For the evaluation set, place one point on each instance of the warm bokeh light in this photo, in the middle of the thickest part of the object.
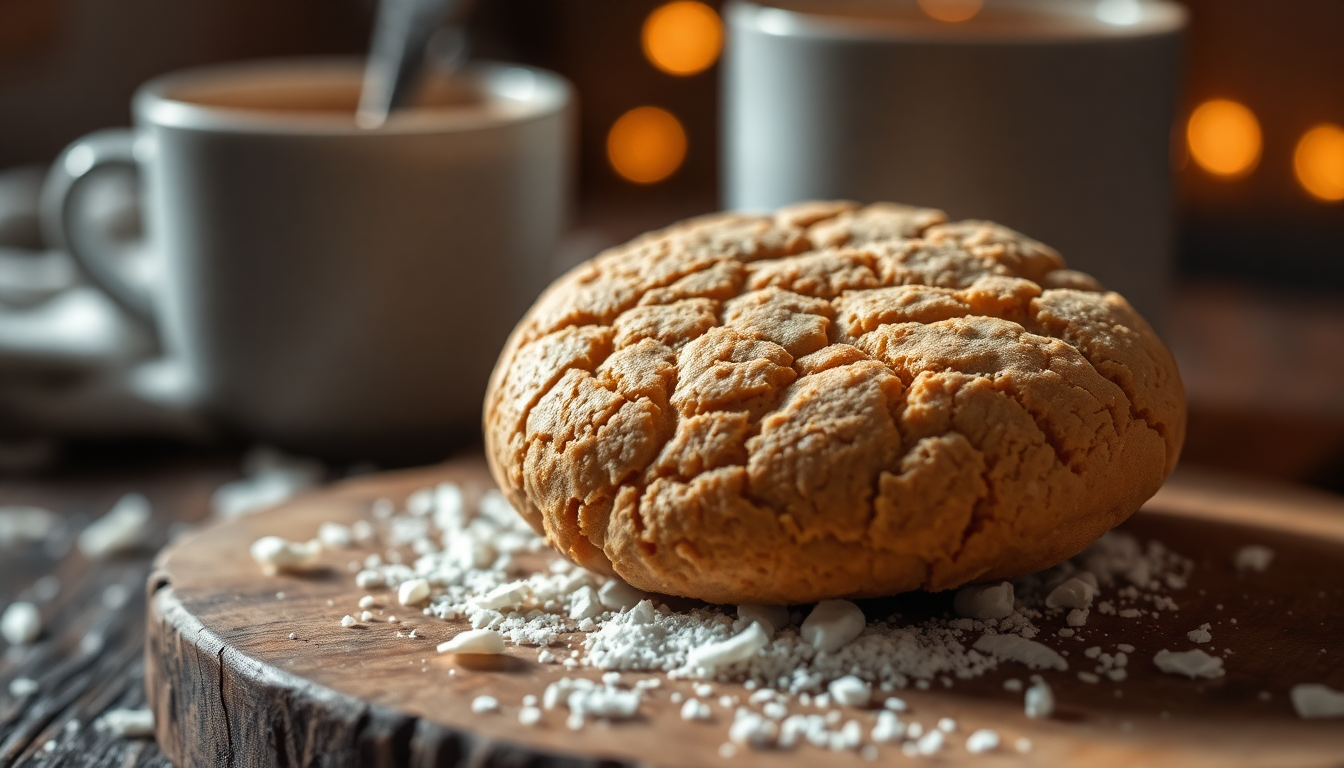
(683, 37)
(1224, 138)
(1319, 162)
(646, 144)
(951, 10)
(1121, 13)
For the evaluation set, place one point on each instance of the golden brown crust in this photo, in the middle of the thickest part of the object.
(834, 401)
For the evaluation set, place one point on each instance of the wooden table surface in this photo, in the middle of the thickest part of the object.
(80, 681)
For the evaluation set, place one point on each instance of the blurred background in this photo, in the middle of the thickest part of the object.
(1257, 321)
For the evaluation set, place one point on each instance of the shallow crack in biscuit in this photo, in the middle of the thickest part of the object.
(833, 401)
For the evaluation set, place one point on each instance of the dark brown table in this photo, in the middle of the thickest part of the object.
(90, 656)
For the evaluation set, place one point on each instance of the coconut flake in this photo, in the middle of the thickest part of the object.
(22, 686)
(1073, 593)
(123, 527)
(850, 691)
(127, 723)
(482, 641)
(694, 709)
(21, 623)
(1021, 650)
(483, 704)
(832, 624)
(1039, 702)
(413, 592)
(739, 648)
(335, 536)
(1193, 664)
(275, 554)
(982, 741)
(504, 596)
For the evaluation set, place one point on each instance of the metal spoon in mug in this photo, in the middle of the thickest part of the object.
(401, 34)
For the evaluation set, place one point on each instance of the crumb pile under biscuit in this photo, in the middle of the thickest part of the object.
(830, 401)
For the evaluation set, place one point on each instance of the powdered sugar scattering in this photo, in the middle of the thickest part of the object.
(478, 564)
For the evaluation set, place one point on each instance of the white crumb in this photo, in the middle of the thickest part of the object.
(483, 641)
(483, 704)
(127, 723)
(529, 716)
(1023, 651)
(1200, 635)
(22, 686)
(413, 592)
(1040, 701)
(21, 623)
(509, 595)
(275, 554)
(752, 730)
(930, 743)
(889, 728)
(334, 535)
(1193, 664)
(1073, 593)
(982, 741)
(739, 648)
(694, 709)
(850, 691)
(832, 624)
(123, 527)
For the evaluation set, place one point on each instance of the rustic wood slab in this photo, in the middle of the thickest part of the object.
(230, 689)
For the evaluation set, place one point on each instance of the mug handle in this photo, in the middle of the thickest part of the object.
(62, 220)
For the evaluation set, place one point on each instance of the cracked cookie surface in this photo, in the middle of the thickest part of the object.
(831, 401)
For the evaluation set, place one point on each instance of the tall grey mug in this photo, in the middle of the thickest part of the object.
(331, 288)
(1053, 117)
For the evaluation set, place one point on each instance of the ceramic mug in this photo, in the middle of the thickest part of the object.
(1053, 117)
(326, 287)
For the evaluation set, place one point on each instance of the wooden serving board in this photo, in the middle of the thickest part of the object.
(230, 689)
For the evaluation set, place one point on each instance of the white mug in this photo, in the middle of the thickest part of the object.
(1052, 117)
(330, 288)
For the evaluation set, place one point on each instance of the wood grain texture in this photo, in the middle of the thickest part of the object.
(230, 688)
(90, 656)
